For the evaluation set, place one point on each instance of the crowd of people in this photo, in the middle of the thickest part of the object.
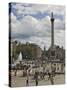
(42, 75)
(50, 74)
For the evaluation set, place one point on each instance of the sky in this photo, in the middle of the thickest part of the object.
(31, 23)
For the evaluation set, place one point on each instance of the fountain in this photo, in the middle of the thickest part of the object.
(20, 57)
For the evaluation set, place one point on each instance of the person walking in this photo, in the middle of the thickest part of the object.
(15, 71)
(36, 78)
(51, 78)
(27, 80)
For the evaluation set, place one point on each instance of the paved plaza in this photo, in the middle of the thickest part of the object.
(20, 81)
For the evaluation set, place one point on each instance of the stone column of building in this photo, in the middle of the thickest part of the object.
(52, 29)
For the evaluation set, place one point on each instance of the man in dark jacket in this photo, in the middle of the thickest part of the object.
(36, 78)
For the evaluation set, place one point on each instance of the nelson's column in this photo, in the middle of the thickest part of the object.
(52, 30)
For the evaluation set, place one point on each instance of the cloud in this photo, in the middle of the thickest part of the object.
(34, 30)
(60, 37)
(59, 24)
(38, 8)
(30, 26)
